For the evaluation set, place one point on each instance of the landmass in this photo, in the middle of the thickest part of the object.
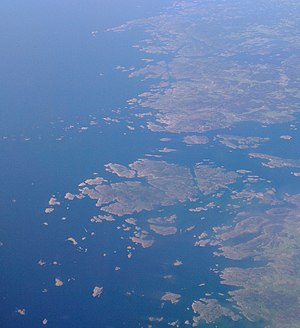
(97, 291)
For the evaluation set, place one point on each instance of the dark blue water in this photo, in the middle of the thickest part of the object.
(50, 70)
(55, 74)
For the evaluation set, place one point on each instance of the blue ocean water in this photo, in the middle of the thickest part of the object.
(55, 74)
(51, 69)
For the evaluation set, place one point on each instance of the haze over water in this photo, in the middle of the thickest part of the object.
(149, 164)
